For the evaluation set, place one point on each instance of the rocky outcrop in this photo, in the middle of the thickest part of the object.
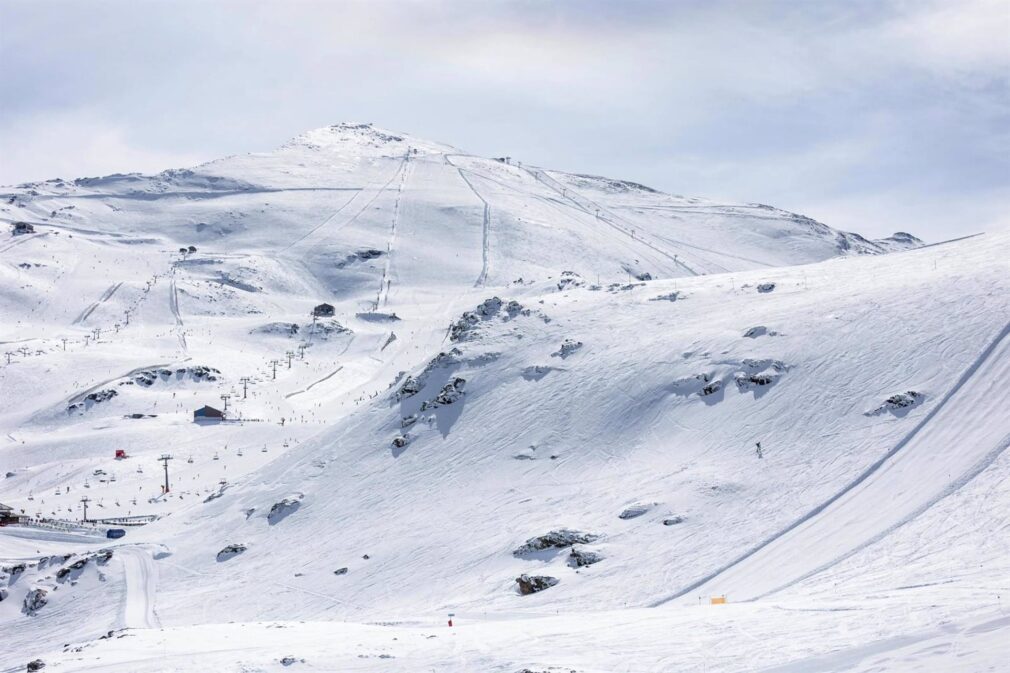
(35, 600)
(764, 288)
(531, 584)
(283, 508)
(580, 558)
(568, 346)
(898, 403)
(556, 539)
(231, 551)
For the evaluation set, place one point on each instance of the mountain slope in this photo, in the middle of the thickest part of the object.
(494, 370)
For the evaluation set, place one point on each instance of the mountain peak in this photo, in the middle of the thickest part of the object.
(346, 135)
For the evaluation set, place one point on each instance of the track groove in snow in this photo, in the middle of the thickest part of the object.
(963, 433)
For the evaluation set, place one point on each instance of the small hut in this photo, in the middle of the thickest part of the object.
(208, 413)
(324, 311)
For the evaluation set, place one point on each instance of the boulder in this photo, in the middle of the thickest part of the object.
(556, 539)
(579, 558)
(765, 287)
(231, 551)
(531, 584)
(35, 600)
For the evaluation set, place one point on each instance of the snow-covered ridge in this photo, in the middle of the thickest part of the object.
(540, 401)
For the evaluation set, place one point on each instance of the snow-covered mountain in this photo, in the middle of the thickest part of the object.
(631, 401)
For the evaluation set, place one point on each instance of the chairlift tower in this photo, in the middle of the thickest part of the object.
(164, 459)
(84, 501)
(245, 386)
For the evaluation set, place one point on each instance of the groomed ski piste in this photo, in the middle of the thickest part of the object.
(513, 352)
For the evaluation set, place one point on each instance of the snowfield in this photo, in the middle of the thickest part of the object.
(640, 402)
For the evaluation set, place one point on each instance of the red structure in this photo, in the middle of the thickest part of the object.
(120, 454)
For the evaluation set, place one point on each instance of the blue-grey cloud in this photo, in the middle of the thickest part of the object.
(871, 116)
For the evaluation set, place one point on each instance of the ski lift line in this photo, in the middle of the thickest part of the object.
(486, 243)
(565, 192)
(377, 194)
(383, 296)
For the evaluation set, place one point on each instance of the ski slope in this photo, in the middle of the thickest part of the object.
(653, 341)
(960, 437)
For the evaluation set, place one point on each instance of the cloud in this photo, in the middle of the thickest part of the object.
(75, 144)
(776, 101)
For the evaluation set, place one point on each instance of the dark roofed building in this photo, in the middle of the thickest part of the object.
(207, 412)
(323, 311)
(7, 515)
(22, 228)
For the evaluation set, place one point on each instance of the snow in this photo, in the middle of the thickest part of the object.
(578, 403)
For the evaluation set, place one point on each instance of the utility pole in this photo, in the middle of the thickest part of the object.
(290, 355)
(226, 398)
(274, 363)
(164, 459)
(64, 339)
(84, 501)
(301, 351)
(8, 354)
(245, 386)
(126, 316)
(98, 333)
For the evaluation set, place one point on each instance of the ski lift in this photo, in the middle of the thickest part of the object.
(30, 496)
(86, 484)
(264, 449)
(58, 492)
(216, 456)
(239, 452)
(112, 477)
(190, 459)
(140, 470)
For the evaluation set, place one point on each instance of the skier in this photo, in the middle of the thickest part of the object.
(760, 452)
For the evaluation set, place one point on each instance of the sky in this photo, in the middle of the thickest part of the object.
(872, 117)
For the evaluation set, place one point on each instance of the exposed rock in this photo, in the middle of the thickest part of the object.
(360, 256)
(35, 600)
(759, 373)
(759, 330)
(35, 665)
(672, 296)
(580, 558)
(283, 508)
(96, 397)
(463, 327)
(898, 403)
(765, 287)
(21, 228)
(531, 584)
(568, 346)
(340, 571)
(711, 388)
(401, 441)
(231, 551)
(556, 539)
(636, 510)
(412, 385)
(570, 279)
(673, 520)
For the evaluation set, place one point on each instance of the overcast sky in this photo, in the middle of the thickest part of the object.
(869, 116)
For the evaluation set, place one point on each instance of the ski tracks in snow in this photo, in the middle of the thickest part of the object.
(486, 244)
(565, 193)
(962, 434)
(382, 298)
(141, 576)
(106, 296)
